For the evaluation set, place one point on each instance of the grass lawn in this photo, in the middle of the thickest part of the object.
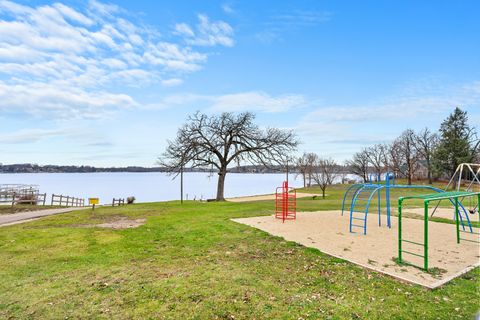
(191, 262)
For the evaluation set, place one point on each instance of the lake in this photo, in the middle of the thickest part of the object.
(149, 186)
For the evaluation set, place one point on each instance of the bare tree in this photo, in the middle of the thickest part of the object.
(425, 143)
(305, 165)
(220, 140)
(376, 157)
(394, 158)
(359, 164)
(408, 154)
(324, 173)
(343, 172)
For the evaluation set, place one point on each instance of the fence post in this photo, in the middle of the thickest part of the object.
(44, 198)
(53, 195)
(13, 199)
(61, 198)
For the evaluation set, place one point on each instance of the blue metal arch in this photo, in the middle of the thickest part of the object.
(358, 185)
(377, 188)
(373, 188)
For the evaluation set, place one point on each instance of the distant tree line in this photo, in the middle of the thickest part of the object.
(423, 154)
(35, 168)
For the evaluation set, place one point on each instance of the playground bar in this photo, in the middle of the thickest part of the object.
(427, 198)
(425, 236)
(400, 230)
(457, 222)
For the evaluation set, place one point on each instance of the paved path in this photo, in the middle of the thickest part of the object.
(9, 219)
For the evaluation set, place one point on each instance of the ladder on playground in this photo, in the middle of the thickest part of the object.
(359, 208)
(285, 202)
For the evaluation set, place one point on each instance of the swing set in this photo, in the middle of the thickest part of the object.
(465, 178)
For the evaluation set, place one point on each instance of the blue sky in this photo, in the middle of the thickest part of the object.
(107, 83)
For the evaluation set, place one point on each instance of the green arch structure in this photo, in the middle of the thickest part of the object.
(427, 198)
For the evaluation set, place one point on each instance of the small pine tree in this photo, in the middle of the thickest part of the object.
(455, 145)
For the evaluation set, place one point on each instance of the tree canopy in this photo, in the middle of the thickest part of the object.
(218, 141)
(455, 145)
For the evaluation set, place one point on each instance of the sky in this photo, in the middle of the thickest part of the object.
(108, 83)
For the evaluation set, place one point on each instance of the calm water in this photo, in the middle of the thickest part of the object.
(148, 187)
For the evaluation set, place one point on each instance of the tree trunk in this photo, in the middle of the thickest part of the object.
(221, 184)
(409, 172)
(429, 171)
(323, 193)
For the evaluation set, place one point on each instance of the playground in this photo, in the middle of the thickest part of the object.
(422, 238)
(328, 232)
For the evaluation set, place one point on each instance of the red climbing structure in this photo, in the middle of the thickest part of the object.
(285, 202)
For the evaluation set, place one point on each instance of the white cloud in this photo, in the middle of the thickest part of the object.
(73, 15)
(227, 8)
(60, 102)
(172, 82)
(279, 24)
(30, 135)
(184, 30)
(81, 53)
(206, 33)
(257, 101)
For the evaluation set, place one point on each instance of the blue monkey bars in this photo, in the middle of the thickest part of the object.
(358, 197)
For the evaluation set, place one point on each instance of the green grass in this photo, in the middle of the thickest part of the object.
(191, 262)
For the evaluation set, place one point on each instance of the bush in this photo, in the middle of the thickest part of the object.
(130, 200)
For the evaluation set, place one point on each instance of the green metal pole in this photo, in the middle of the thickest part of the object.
(400, 200)
(379, 209)
(425, 236)
(457, 222)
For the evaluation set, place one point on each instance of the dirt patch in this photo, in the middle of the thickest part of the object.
(118, 223)
(122, 223)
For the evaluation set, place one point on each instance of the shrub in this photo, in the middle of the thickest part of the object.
(130, 200)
